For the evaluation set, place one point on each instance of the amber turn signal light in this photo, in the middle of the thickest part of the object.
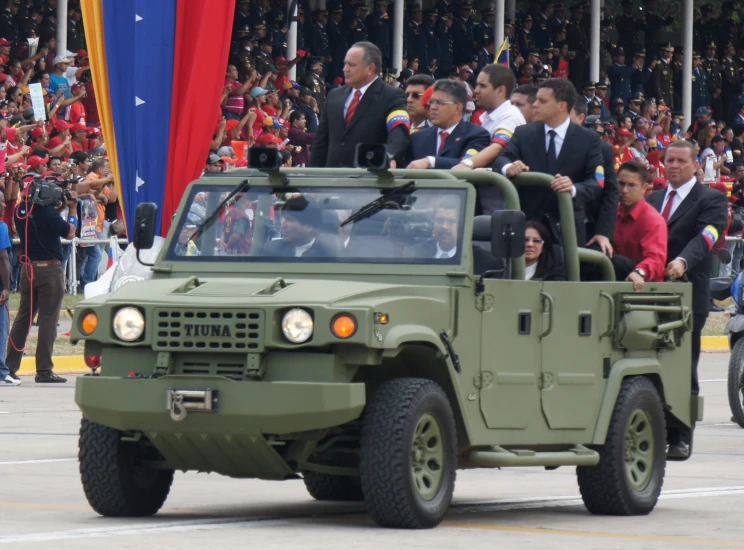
(343, 326)
(89, 323)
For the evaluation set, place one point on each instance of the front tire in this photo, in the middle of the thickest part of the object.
(114, 482)
(408, 455)
(736, 382)
(628, 479)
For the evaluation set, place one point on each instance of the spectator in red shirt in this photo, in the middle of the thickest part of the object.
(235, 102)
(640, 240)
(79, 133)
(59, 143)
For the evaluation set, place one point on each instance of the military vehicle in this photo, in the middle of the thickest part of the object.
(363, 330)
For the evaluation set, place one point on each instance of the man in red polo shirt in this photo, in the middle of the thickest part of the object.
(640, 239)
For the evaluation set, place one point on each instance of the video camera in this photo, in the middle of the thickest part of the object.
(49, 191)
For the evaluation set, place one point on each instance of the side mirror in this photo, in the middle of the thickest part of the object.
(371, 156)
(507, 234)
(264, 159)
(144, 227)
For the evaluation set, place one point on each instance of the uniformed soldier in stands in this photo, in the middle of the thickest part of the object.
(301, 31)
(634, 105)
(629, 28)
(729, 80)
(589, 90)
(740, 57)
(429, 30)
(317, 36)
(256, 14)
(641, 78)
(707, 27)
(525, 40)
(577, 41)
(700, 96)
(242, 15)
(509, 32)
(75, 32)
(728, 33)
(654, 23)
(443, 7)
(662, 77)
(559, 21)
(484, 31)
(243, 57)
(542, 25)
(356, 29)
(279, 38)
(446, 45)
(462, 34)
(314, 80)
(8, 23)
(601, 94)
(415, 37)
(337, 46)
(264, 61)
(713, 73)
(30, 25)
(380, 30)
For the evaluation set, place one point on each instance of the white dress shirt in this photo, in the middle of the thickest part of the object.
(682, 192)
(432, 159)
(504, 117)
(300, 250)
(363, 89)
(444, 254)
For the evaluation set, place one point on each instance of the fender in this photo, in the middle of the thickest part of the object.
(620, 370)
(402, 334)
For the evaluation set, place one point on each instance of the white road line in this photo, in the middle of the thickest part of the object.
(38, 461)
(716, 380)
(210, 524)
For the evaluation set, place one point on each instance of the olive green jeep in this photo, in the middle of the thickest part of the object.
(364, 331)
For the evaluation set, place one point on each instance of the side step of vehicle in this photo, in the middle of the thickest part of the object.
(578, 455)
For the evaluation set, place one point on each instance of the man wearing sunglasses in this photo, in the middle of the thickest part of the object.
(415, 89)
(450, 139)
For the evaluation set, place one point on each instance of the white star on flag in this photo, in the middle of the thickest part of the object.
(137, 18)
(139, 183)
(138, 101)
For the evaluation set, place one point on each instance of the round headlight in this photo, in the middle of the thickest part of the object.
(129, 324)
(297, 326)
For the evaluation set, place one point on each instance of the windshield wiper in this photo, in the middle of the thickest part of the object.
(380, 203)
(242, 186)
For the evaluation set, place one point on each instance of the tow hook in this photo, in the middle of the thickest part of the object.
(175, 405)
(179, 402)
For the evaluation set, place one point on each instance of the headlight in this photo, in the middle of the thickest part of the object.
(297, 326)
(129, 324)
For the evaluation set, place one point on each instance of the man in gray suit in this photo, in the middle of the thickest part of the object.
(302, 235)
(445, 235)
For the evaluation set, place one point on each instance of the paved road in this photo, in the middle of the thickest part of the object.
(43, 507)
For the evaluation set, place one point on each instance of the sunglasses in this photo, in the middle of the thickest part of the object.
(527, 240)
(414, 95)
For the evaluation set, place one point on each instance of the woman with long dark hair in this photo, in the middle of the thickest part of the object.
(539, 255)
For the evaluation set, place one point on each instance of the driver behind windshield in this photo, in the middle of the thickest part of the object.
(443, 244)
(302, 235)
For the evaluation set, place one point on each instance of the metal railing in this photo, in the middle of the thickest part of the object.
(71, 272)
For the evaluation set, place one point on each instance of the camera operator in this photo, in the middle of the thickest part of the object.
(40, 229)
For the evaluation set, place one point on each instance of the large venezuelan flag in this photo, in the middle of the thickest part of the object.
(157, 66)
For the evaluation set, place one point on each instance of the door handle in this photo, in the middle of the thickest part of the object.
(611, 325)
(547, 299)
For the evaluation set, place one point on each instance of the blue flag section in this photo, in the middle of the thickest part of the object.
(139, 40)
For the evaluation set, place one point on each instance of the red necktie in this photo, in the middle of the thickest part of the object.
(442, 140)
(353, 107)
(668, 208)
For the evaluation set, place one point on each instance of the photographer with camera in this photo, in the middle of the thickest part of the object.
(40, 229)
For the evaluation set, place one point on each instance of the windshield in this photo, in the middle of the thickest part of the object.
(422, 225)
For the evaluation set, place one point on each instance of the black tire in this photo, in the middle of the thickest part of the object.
(607, 488)
(113, 482)
(330, 487)
(395, 413)
(736, 382)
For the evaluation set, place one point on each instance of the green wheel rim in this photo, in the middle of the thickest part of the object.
(639, 450)
(427, 457)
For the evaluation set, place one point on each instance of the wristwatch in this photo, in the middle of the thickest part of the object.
(641, 273)
(468, 163)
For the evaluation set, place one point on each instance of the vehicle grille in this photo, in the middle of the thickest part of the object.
(185, 329)
(230, 367)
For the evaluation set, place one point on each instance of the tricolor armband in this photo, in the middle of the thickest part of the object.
(710, 234)
(599, 175)
(72, 220)
(469, 153)
(502, 136)
(398, 118)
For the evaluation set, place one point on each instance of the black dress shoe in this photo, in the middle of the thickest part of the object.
(49, 378)
(678, 450)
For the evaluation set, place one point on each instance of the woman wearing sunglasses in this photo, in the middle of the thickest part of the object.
(540, 258)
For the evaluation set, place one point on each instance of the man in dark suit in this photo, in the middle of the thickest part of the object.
(696, 216)
(450, 138)
(301, 233)
(601, 213)
(364, 110)
(444, 232)
(553, 145)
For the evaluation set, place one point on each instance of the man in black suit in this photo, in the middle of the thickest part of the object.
(601, 213)
(450, 139)
(553, 145)
(302, 236)
(364, 110)
(696, 216)
(443, 244)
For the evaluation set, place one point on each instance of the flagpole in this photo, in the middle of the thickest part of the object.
(498, 26)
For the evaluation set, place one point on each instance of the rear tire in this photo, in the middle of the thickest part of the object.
(408, 454)
(628, 479)
(736, 382)
(331, 487)
(113, 481)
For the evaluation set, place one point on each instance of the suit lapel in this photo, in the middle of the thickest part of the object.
(686, 204)
(655, 199)
(540, 144)
(367, 99)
